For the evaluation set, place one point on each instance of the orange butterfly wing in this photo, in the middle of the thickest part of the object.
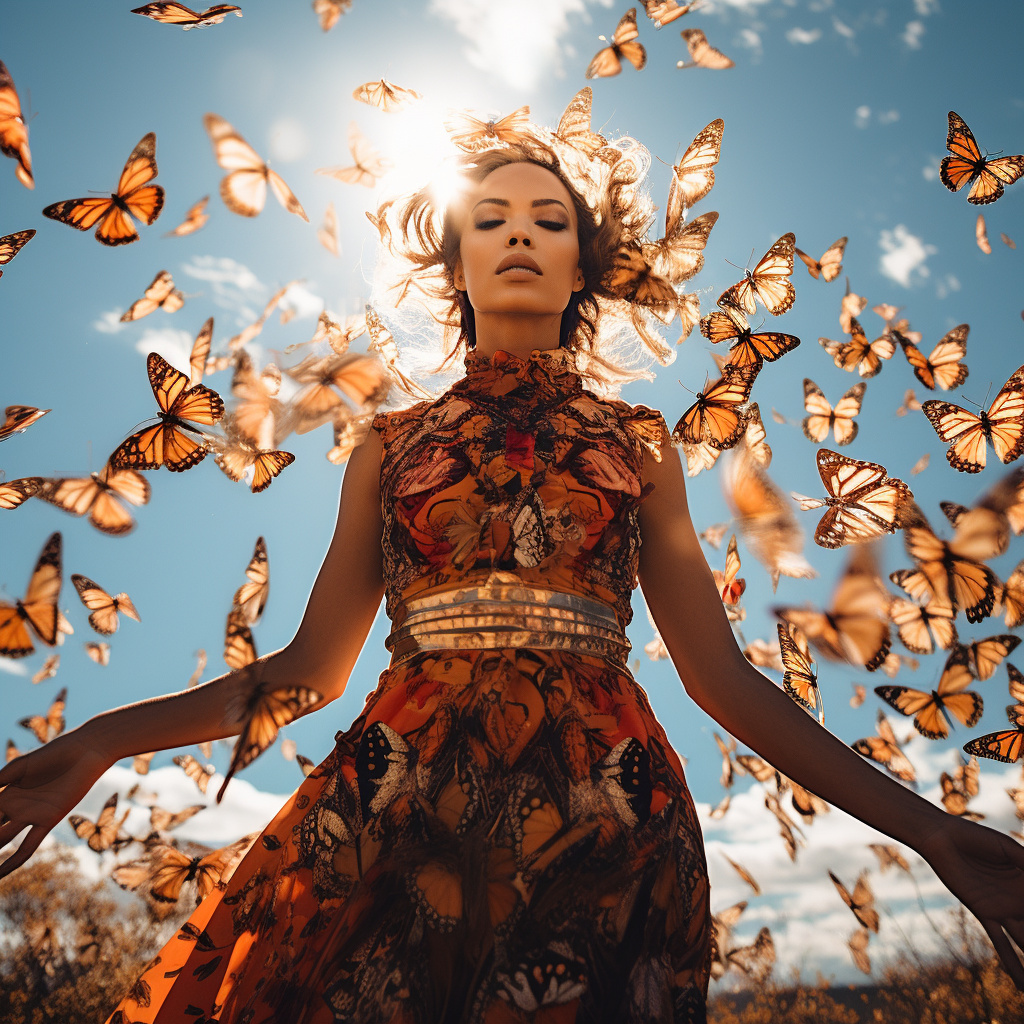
(13, 130)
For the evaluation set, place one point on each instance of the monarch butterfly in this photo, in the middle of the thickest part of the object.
(100, 497)
(664, 12)
(11, 245)
(100, 653)
(857, 944)
(717, 416)
(823, 416)
(888, 856)
(38, 609)
(931, 710)
(327, 235)
(966, 433)
(910, 403)
(386, 95)
(800, 678)
(46, 727)
(854, 629)
(368, 166)
(13, 130)
(885, 750)
(960, 787)
(981, 235)
(251, 598)
(170, 443)
(105, 833)
(680, 255)
(858, 353)
(806, 804)
(329, 11)
(942, 367)
(983, 657)
(988, 174)
(357, 376)
(984, 530)
(851, 306)
(195, 218)
(164, 821)
(112, 215)
(574, 124)
(258, 410)
(161, 294)
(623, 44)
(743, 872)
(917, 625)
(471, 133)
(722, 924)
(730, 589)
(631, 277)
(244, 189)
(861, 901)
(236, 457)
(703, 54)
(745, 348)
(103, 607)
(48, 670)
(693, 176)
(1012, 597)
(1007, 744)
(15, 492)
(768, 283)
(239, 646)
(831, 263)
(199, 773)
(860, 694)
(171, 13)
(757, 959)
(18, 418)
(263, 713)
(755, 437)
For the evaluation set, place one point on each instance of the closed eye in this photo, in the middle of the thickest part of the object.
(553, 225)
(486, 225)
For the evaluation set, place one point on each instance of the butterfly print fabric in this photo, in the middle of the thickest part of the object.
(502, 835)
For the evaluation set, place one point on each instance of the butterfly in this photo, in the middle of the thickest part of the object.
(757, 959)
(943, 367)
(103, 608)
(338, 336)
(199, 773)
(966, 433)
(854, 629)
(703, 54)
(623, 45)
(574, 124)
(263, 713)
(1007, 240)
(112, 215)
(105, 833)
(983, 657)
(921, 465)
(195, 218)
(48, 669)
(386, 95)
(18, 418)
(244, 189)
(664, 12)
(758, 767)
(38, 609)
(170, 442)
(857, 944)
(981, 235)
(251, 597)
(141, 763)
(13, 130)
(693, 176)
(851, 306)
(258, 410)
(910, 404)
(800, 678)
(768, 283)
(863, 501)
(746, 349)
(960, 787)
(100, 497)
(988, 174)
(328, 234)
(238, 459)
(12, 752)
(100, 653)
(161, 294)
(1012, 597)
(931, 710)
(11, 245)
(193, 680)
(858, 353)
(239, 646)
(46, 727)
(830, 265)
(984, 530)
(1007, 744)
(369, 165)
(329, 11)
(823, 415)
(471, 134)
(171, 13)
(717, 416)
(888, 856)
(861, 901)
(165, 821)
(722, 924)
(730, 589)
(16, 492)
(917, 625)
(356, 376)
(632, 277)
(728, 766)
(680, 255)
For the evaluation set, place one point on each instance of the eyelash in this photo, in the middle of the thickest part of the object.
(551, 225)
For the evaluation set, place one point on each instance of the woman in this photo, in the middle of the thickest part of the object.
(504, 834)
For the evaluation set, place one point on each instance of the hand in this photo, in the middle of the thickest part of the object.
(42, 788)
(985, 871)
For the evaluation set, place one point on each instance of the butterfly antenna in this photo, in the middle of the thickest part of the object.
(685, 388)
(749, 258)
(736, 265)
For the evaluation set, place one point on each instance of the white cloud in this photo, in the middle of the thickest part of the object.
(930, 171)
(109, 322)
(904, 255)
(912, 34)
(862, 116)
(888, 117)
(949, 284)
(843, 29)
(288, 140)
(235, 287)
(925, 7)
(11, 667)
(175, 346)
(716, 6)
(751, 40)
(301, 301)
(803, 35)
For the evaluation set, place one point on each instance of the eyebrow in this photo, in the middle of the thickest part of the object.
(534, 204)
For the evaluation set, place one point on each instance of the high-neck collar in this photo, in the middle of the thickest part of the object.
(505, 373)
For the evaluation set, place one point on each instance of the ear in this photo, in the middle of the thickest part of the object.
(579, 283)
(459, 275)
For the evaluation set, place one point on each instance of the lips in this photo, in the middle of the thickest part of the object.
(519, 261)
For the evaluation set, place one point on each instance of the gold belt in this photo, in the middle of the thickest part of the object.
(508, 615)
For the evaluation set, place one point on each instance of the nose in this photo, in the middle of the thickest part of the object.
(518, 236)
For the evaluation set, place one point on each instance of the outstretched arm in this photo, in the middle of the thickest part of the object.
(43, 785)
(982, 867)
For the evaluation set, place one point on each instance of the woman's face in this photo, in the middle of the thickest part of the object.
(519, 251)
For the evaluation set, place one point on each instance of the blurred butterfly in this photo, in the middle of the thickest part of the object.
(103, 608)
(728, 767)
(13, 130)
(850, 307)
(917, 625)
(768, 283)
(755, 437)
(857, 944)
(471, 134)
(717, 416)
(16, 492)
(987, 174)
(854, 629)
(46, 727)
(1007, 240)
(858, 353)
(664, 12)
(11, 245)
(764, 655)
(693, 176)
(931, 710)
(386, 95)
(48, 670)
(193, 680)
(574, 124)
(338, 335)
(1012, 597)
(758, 767)
(863, 501)
(714, 534)
(623, 46)
(329, 11)
(172, 13)
(921, 465)
(100, 497)
(703, 54)
(100, 653)
(861, 901)
(112, 214)
(141, 762)
(1007, 744)
(328, 234)
(800, 678)
(859, 695)
(239, 646)
(382, 342)
(966, 433)
(239, 459)
(942, 368)
(38, 609)
(356, 376)
(195, 218)
(894, 663)
(722, 925)
(792, 836)
(983, 657)
(257, 410)
(823, 416)
(263, 713)
(632, 277)
(745, 348)
(680, 255)
(757, 959)
(830, 265)
(199, 773)
(12, 752)
(960, 787)
(105, 833)
(164, 821)
(161, 294)
(171, 442)
(18, 418)
(981, 235)
(369, 165)
(730, 589)
(307, 766)
(983, 531)
(251, 597)
(244, 189)
(910, 404)
(888, 856)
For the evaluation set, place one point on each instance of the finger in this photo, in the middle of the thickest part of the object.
(28, 846)
(1007, 955)
(9, 830)
(1015, 929)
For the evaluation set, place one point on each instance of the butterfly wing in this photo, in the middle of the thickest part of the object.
(799, 678)
(145, 201)
(817, 423)
(962, 431)
(244, 190)
(831, 264)
(103, 609)
(992, 176)
(153, 298)
(1006, 419)
(43, 594)
(1006, 745)
(199, 404)
(285, 196)
(693, 176)
(679, 256)
(251, 597)
(13, 130)
(844, 427)
(195, 218)
(266, 466)
(703, 54)
(944, 362)
(15, 492)
(605, 64)
(716, 417)
(82, 214)
(11, 245)
(958, 169)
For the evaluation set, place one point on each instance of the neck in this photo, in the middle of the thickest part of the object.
(518, 333)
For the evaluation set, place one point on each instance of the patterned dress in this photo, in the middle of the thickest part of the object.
(502, 835)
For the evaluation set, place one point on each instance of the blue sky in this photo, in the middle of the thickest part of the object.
(835, 121)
